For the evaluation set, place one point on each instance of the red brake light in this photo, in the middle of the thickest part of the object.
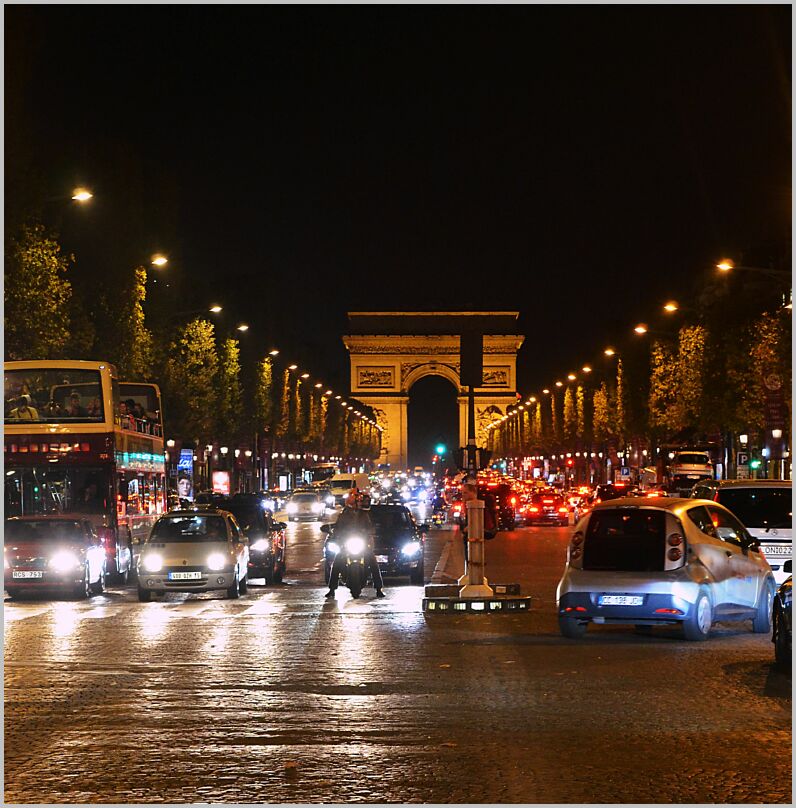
(575, 609)
(668, 611)
(547, 501)
(514, 500)
(716, 496)
(675, 554)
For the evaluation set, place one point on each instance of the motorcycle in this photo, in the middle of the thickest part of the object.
(354, 572)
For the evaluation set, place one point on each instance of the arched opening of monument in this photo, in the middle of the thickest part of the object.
(433, 419)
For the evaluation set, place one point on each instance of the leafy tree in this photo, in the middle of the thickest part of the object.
(191, 376)
(554, 427)
(570, 415)
(37, 295)
(580, 412)
(537, 422)
(264, 405)
(619, 425)
(601, 422)
(690, 361)
(127, 341)
(230, 392)
(283, 425)
(663, 387)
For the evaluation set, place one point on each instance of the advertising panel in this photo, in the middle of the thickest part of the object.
(185, 475)
(221, 482)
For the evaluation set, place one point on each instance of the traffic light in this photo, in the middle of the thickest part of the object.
(570, 462)
(441, 449)
(755, 463)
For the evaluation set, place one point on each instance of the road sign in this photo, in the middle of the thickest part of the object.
(742, 458)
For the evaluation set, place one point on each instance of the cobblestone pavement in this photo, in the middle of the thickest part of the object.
(282, 697)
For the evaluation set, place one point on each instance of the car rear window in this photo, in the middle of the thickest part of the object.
(759, 507)
(190, 528)
(44, 530)
(691, 459)
(625, 540)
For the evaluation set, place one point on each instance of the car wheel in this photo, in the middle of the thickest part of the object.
(13, 593)
(416, 576)
(782, 648)
(761, 622)
(572, 628)
(696, 627)
(144, 595)
(243, 585)
(233, 591)
(83, 589)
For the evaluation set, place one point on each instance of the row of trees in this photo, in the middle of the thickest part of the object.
(201, 375)
(702, 383)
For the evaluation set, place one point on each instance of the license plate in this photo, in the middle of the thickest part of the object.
(382, 559)
(693, 476)
(620, 600)
(776, 551)
(185, 576)
(27, 574)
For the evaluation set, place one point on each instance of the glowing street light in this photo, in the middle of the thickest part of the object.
(292, 367)
(318, 386)
(559, 384)
(641, 328)
(159, 260)
(586, 369)
(82, 195)
(546, 391)
(609, 351)
(671, 306)
(725, 265)
(215, 309)
(305, 375)
(572, 377)
(273, 353)
(242, 327)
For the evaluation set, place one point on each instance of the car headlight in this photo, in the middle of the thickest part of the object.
(216, 561)
(291, 507)
(64, 561)
(317, 507)
(153, 562)
(261, 545)
(406, 495)
(333, 547)
(355, 545)
(330, 499)
(411, 548)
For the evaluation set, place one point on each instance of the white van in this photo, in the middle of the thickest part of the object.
(342, 484)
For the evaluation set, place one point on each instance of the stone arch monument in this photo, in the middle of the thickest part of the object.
(390, 351)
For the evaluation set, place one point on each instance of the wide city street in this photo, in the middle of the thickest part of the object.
(281, 696)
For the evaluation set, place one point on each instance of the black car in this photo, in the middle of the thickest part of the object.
(547, 508)
(399, 543)
(781, 635)
(506, 501)
(266, 537)
(608, 491)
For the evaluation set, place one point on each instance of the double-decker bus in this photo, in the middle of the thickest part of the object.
(78, 441)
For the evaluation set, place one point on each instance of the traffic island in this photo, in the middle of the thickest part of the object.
(494, 605)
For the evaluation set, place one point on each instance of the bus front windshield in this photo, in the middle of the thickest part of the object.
(72, 490)
(53, 396)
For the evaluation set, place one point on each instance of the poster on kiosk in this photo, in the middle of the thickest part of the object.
(185, 475)
(221, 482)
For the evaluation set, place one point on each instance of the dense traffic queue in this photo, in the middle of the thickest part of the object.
(635, 556)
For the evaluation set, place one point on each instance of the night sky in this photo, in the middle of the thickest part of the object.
(581, 165)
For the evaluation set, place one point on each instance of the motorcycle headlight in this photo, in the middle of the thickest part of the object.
(153, 562)
(333, 547)
(330, 499)
(411, 548)
(216, 561)
(355, 545)
(291, 507)
(261, 545)
(64, 561)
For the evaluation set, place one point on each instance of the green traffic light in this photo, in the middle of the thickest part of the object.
(441, 448)
(754, 464)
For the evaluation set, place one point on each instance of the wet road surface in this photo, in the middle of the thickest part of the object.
(282, 697)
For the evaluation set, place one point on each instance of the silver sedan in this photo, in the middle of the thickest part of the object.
(647, 562)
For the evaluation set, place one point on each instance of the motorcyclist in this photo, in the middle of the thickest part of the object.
(354, 520)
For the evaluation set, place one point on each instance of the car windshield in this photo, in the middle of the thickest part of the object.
(53, 396)
(305, 498)
(392, 519)
(43, 530)
(625, 540)
(190, 528)
(248, 515)
(759, 507)
(692, 459)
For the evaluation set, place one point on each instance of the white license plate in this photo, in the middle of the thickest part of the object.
(27, 574)
(185, 576)
(620, 600)
(693, 476)
(776, 551)
(382, 559)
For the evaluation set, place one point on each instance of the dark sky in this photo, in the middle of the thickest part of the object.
(578, 164)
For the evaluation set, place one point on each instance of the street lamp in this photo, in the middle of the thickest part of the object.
(215, 309)
(641, 329)
(726, 265)
(572, 377)
(671, 306)
(609, 351)
(273, 353)
(82, 195)
(586, 369)
(159, 260)
(242, 327)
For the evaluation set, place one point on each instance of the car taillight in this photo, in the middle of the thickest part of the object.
(514, 500)
(562, 510)
(668, 611)
(533, 509)
(575, 609)
(675, 554)
(597, 501)
(675, 540)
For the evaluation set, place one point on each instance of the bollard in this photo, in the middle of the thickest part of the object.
(474, 584)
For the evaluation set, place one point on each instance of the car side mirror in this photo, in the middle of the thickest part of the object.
(788, 566)
(326, 528)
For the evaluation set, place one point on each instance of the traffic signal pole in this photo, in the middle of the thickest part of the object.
(474, 584)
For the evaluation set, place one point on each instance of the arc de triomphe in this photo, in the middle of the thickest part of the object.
(390, 351)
